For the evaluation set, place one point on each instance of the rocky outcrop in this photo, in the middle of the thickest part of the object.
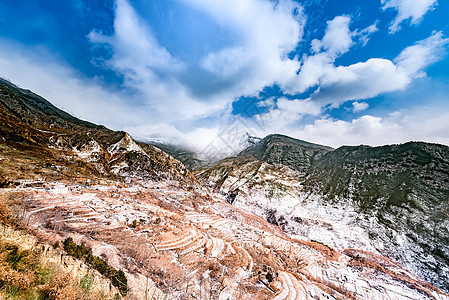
(58, 261)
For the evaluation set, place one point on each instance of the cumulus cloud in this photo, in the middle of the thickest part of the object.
(419, 124)
(364, 130)
(266, 32)
(337, 40)
(360, 81)
(337, 84)
(408, 9)
(149, 69)
(364, 80)
(285, 113)
(132, 35)
(376, 76)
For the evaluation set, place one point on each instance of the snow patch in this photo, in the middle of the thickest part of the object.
(125, 144)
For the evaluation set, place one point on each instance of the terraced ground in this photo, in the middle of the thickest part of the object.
(175, 240)
(178, 244)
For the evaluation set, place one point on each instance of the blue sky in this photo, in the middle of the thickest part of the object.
(332, 71)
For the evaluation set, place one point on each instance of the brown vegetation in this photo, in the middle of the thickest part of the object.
(25, 275)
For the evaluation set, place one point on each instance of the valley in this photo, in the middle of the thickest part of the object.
(284, 219)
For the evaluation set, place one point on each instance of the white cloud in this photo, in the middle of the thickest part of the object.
(150, 70)
(298, 106)
(338, 84)
(360, 81)
(418, 124)
(136, 50)
(363, 80)
(285, 113)
(376, 76)
(64, 87)
(364, 35)
(312, 70)
(364, 130)
(408, 9)
(359, 106)
(269, 103)
(266, 32)
(337, 40)
(416, 58)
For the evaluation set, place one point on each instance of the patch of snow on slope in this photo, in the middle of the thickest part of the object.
(125, 144)
(311, 220)
(88, 151)
(116, 169)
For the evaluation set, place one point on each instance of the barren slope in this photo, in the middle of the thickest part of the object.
(191, 246)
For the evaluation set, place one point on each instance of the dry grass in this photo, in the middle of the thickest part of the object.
(24, 274)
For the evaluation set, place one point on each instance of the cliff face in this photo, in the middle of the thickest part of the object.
(272, 167)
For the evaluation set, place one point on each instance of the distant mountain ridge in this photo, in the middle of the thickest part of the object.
(194, 159)
(291, 152)
(185, 155)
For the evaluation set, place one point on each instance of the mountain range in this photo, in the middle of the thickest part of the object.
(31, 128)
(396, 195)
(380, 214)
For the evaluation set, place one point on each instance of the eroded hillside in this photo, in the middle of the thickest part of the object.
(39, 141)
(187, 245)
(129, 210)
(391, 200)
